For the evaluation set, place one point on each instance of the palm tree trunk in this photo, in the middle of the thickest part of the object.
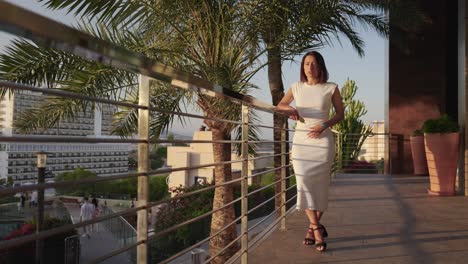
(277, 92)
(222, 196)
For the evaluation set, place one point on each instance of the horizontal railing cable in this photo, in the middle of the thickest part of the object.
(65, 228)
(64, 139)
(263, 187)
(264, 219)
(199, 243)
(116, 252)
(290, 176)
(66, 94)
(292, 198)
(291, 187)
(67, 139)
(13, 190)
(273, 127)
(157, 141)
(268, 141)
(264, 202)
(274, 224)
(267, 171)
(269, 156)
(223, 249)
(42, 186)
(175, 227)
(160, 171)
(185, 195)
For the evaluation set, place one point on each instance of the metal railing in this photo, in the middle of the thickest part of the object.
(362, 153)
(51, 34)
(122, 230)
(72, 250)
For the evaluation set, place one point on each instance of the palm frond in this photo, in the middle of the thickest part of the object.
(129, 38)
(163, 97)
(27, 63)
(117, 13)
(253, 135)
(49, 114)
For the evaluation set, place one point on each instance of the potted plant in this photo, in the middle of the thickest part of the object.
(418, 153)
(441, 139)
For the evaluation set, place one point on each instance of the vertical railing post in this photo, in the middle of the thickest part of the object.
(340, 153)
(244, 183)
(143, 166)
(283, 174)
(388, 157)
(40, 216)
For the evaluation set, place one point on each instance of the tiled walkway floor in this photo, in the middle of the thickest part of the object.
(377, 219)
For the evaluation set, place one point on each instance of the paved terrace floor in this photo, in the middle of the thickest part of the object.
(377, 219)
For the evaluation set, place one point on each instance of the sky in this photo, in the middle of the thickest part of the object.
(341, 59)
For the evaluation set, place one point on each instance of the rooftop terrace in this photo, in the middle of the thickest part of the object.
(377, 219)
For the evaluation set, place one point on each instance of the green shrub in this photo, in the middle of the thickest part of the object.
(80, 189)
(443, 124)
(183, 209)
(267, 178)
(418, 132)
(158, 188)
(117, 189)
(353, 131)
(178, 211)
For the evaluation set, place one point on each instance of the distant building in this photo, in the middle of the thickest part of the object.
(202, 153)
(18, 160)
(373, 147)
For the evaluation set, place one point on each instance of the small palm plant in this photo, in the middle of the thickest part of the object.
(353, 132)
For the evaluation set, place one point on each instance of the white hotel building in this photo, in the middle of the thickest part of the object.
(18, 160)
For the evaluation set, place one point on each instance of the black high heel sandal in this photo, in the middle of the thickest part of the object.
(322, 243)
(324, 232)
(308, 240)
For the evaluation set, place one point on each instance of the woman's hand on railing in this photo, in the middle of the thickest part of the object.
(290, 111)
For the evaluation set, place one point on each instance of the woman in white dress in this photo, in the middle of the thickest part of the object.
(313, 149)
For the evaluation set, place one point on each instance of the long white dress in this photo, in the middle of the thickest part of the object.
(312, 158)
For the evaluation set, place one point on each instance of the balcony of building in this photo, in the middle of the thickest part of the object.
(374, 216)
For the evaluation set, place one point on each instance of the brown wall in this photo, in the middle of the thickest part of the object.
(423, 79)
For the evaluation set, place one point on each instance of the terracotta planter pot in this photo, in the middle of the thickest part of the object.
(418, 153)
(442, 160)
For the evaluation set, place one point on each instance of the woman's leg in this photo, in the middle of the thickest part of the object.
(319, 215)
(314, 218)
(309, 238)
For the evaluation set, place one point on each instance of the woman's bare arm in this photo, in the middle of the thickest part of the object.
(337, 102)
(284, 106)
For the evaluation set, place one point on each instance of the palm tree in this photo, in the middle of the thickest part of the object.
(288, 28)
(208, 42)
(196, 41)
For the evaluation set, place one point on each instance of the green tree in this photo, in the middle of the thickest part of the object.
(78, 190)
(353, 131)
(158, 188)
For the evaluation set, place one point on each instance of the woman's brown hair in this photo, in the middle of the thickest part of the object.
(323, 73)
